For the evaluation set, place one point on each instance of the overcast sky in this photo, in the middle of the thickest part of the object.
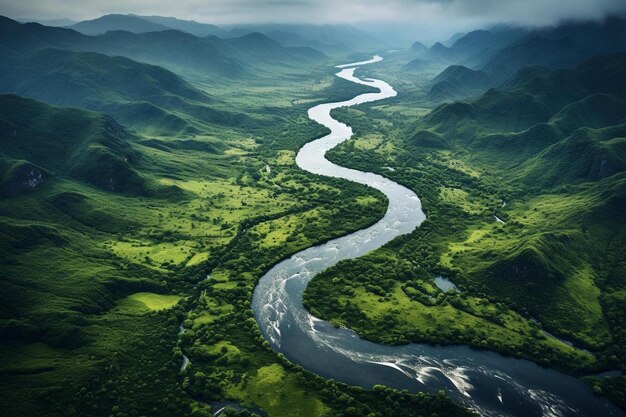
(442, 16)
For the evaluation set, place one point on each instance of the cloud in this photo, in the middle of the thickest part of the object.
(453, 13)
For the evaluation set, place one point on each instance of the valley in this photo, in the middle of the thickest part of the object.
(201, 220)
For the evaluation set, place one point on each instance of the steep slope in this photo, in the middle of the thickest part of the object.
(479, 40)
(559, 53)
(458, 81)
(538, 96)
(475, 43)
(418, 48)
(141, 96)
(39, 141)
(586, 155)
(455, 37)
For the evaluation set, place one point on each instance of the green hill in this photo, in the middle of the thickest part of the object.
(543, 260)
(457, 81)
(587, 155)
(557, 140)
(39, 140)
(141, 96)
(595, 88)
(585, 112)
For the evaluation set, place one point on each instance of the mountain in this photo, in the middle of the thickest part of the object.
(291, 39)
(563, 46)
(190, 26)
(40, 141)
(49, 22)
(555, 139)
(603, 37)
(586, 155)
(330, 39)
(476, 43)
(18, 37)
(539, 103)
(438, 52)
(502, 51)
(174, 50)
(560, 53)
(458, 81)
(142, 24)
(262, 47)
(419, 65)
(141, 96)
(453, 38)
(418, 48)
(111, 22)
(209, 58)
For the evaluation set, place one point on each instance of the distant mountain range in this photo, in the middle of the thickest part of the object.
(48, 22)
(180, 51)
(544, 110)
(139, 95)
(488, 58)
(326, 38)
(113, 22)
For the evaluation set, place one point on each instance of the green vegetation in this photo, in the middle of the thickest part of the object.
(108, 232)
(171, 187)
(40, 140)
(550, 166)
(145, 97)
(147, 300)
(457, 81)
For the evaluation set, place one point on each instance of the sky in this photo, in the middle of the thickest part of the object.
(432, 18)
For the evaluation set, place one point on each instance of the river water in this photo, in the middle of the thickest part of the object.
(485, 381)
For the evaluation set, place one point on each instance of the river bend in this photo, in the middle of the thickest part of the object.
(485, 381)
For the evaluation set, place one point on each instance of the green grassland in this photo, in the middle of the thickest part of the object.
(141, 301)
(554, 263)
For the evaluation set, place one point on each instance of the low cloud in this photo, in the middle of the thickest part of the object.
(450, 15)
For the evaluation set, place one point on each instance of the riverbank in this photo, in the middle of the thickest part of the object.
(338, 354)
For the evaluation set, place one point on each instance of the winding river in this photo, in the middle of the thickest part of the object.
(485, 381)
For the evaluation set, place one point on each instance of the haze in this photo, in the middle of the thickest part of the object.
(427, 20)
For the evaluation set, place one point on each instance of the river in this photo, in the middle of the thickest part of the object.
(485, 381)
